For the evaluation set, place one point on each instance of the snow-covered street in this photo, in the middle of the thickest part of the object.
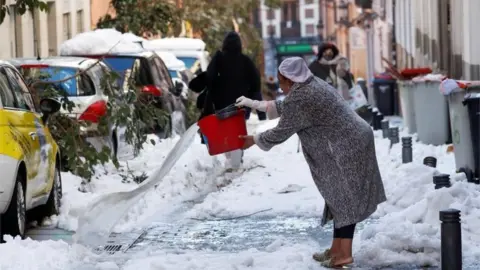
(265, 216)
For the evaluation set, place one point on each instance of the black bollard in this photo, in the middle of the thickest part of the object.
(451, 237)
(385, 125)
(407, 155)
(441, 181)
(377, 121)
(393, 135)
(374, 119)
(430, 161)
(370, 113)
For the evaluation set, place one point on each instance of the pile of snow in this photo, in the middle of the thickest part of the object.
(101, 41)
(175, 44)
(405, 230)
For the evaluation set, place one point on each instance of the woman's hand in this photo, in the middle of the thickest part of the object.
(253, 104)
(249, 141)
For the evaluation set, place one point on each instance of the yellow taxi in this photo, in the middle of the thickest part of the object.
(29, 157)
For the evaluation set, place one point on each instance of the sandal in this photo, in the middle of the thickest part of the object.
(323, 256)
(330, 264)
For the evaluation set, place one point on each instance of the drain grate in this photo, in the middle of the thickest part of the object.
(119, 243)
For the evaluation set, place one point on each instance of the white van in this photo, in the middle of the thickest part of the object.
(191, 51)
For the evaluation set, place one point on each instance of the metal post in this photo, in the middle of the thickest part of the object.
(441, 180)
(393, 135)
(371, 115)
(430, 161)
(385, 125)
(451, 237)
(377, 120)
(407, 155)
(370, 60)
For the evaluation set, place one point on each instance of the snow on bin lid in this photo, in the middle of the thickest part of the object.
(429, 78)
(101, 41)
(177, 44)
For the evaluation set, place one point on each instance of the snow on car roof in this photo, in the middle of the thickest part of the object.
(174, 44)
(170, 60)
(101, 41)
(55, 61)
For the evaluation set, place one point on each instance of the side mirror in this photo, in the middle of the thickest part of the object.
(49, 106)
(178, 88)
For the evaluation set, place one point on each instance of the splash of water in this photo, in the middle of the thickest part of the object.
(96, 224)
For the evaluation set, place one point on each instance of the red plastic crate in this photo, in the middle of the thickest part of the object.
(222, 136)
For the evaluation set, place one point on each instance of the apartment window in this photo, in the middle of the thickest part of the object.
(80, 21)
(67, 26)
(310, 29)
(271, 14)
(308, 2)
(308, 13)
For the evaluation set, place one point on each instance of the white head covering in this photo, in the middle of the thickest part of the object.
(295, 69)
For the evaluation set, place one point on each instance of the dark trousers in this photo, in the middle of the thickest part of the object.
(344, 232)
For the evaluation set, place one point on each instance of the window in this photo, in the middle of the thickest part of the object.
(173, 73)
(271, 14)
(22, 96)
(164, 72)
(85, 85)
(308, 2)
(189, 61)
(67, 26)
(310, 29)
(6, 95)
(79, 21)
(308, 13)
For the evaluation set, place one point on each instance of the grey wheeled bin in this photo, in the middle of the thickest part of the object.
(406, 91)
(461, 133)
(431, 114)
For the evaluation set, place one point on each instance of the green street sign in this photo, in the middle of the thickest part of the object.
(295, 48)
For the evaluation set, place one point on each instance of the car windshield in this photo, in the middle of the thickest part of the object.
(53, 74)
(173, 73)
(120, 65)
(189, 61)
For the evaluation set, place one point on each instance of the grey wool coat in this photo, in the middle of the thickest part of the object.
(338, 146)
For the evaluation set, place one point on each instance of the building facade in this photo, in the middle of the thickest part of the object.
(41, 33)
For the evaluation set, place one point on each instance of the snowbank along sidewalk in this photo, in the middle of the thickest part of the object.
(404, 231)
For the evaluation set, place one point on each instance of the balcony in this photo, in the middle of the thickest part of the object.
(290, 29)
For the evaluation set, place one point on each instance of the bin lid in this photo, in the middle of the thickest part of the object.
(383, 80)
(474, 95)
(429, 78)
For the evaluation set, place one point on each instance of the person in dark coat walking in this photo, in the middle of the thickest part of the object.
(333, 68)
(230, 75)
(338, 146)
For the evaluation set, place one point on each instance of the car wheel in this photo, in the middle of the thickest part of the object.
(15, 219)
(54, 202)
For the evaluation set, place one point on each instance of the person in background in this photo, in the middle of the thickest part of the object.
(333, 68)
(230, 75)
(338, 146)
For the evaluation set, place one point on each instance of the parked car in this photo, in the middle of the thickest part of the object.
(151, 75)
(191, 51)
(85, 91)
(29, 156)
